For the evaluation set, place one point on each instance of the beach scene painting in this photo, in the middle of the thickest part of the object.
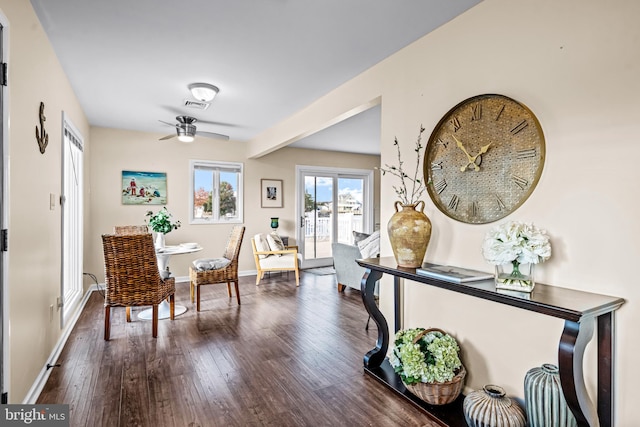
(144, 188)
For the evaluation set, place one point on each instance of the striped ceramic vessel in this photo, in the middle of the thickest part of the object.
(490, 407)
(544, 399)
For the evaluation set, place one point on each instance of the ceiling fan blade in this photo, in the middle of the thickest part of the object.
(181, 111)
(214, 123)
(167, 137)
(169, 124)
(212, 135)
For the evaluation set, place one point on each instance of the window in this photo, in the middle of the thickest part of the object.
(216, 192)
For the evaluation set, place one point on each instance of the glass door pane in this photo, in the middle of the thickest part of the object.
(318, 216)
(350, 208)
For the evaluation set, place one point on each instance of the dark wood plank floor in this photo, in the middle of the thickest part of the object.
(286, 357)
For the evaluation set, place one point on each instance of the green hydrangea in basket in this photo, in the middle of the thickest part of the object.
(428, 363)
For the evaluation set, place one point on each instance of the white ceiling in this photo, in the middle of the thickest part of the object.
(130, 61)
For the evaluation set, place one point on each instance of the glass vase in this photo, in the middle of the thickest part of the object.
(515, 276)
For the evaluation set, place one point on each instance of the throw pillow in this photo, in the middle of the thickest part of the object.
(275, 243)
(358, 237)
(261, 244)
(203, 264)
(370, 247)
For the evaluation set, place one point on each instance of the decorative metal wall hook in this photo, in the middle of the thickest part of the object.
(41, 136)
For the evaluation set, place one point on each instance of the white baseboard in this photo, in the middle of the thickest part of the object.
(43, 376)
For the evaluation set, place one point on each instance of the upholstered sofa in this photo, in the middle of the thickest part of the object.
(348, 272)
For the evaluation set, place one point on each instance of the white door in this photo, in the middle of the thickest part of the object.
(332, 203)
(4, 143)
(72, 219)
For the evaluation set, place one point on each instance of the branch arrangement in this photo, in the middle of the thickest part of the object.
(417, 185)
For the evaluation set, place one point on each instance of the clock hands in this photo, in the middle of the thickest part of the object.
(482, 151)
(471, 160)
(464, 150)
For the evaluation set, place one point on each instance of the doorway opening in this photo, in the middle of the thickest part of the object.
(331, 204)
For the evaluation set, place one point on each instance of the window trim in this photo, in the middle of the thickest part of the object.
(215, 164)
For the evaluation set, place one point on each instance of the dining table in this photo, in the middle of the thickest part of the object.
(163, 255)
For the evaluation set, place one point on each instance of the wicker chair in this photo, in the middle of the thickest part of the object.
(130, 229)
(227, 274)
(132, 277)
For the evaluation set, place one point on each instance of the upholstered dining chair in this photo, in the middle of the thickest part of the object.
(218, 270)
(132, 277)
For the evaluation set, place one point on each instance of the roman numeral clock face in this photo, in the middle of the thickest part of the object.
(484, 159)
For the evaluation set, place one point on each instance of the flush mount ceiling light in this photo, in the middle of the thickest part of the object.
(203, 91)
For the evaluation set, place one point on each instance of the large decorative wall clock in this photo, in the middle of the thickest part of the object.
(484, 159)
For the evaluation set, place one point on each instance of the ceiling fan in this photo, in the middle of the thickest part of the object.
(186, 130)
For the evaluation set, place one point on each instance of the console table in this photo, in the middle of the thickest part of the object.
(581, 311)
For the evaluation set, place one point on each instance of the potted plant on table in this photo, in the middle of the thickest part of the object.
(161, 223)
(428, 364)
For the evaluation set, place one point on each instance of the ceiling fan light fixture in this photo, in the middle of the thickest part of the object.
(204, 92)
(185, 138)
(186, 131)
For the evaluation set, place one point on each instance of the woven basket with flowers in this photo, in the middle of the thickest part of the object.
(428, 363)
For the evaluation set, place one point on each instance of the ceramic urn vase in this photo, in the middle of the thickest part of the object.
(544, 399)
(409, 233)
(490, 407)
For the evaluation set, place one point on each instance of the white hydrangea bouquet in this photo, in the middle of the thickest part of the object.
(516, 245)
(428, 356)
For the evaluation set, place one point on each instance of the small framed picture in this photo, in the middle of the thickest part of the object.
(271, 193)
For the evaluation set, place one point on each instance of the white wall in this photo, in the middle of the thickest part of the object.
(575, 64)
(35, 76)
(118, 150)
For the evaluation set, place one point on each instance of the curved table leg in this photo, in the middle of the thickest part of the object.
(605, 369)
(575, 337)
(375, 356)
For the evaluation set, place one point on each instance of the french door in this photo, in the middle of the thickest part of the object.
(72, 219)
(331, 204)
